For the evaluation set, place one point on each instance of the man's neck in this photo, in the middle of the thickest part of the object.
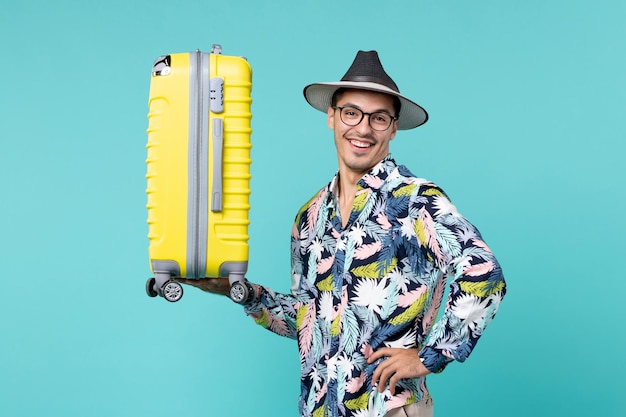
(346, 186)
(346, 191)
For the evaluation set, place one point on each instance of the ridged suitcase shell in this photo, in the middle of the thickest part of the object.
(198, 167)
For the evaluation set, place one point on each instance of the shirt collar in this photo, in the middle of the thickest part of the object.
(375, 177)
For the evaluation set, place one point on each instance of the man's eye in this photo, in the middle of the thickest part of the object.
(381, 118)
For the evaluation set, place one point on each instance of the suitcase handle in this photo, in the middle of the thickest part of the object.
(218, 144)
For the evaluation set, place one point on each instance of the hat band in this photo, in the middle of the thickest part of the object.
(368, 79)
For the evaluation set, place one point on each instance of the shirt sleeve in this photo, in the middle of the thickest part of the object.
(278, 312)
(476, 290)
(274, 311)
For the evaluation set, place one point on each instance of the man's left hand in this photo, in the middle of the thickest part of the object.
(399, 364)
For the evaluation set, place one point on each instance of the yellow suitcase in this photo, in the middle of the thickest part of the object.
(198, 171)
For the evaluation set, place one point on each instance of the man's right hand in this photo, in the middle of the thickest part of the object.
(219, 286)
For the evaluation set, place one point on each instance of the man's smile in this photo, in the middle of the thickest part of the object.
(360, 144)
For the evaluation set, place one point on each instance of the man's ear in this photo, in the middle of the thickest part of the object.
(394, 129)
(331, 118)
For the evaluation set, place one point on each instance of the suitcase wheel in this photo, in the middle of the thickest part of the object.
(150, 287)
(241, 292)
(172, 291)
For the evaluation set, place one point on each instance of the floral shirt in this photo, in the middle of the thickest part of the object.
(379, 282)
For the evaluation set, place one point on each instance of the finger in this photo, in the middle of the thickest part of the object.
(384, 381)
(382, 373)
(393, 381)
(376, 376)
(385, 377)
(380, 353)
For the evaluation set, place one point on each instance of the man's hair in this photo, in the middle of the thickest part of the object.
(337, 94)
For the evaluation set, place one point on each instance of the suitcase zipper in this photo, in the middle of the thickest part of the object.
(198, 132)
(197, 154)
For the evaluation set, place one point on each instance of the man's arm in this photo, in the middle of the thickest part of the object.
(477, 288)
(476, 292)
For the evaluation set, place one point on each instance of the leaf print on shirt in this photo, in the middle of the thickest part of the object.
(404, 191)
(326, 284)
(316, 248)
(358, 403)
(371, 293)
(448, 242)
(410, 313)
(357, 233)
(407, 227)
(278, 325)
(481, 288)
(350, 338)
(304, 323)
(375, 269)
(355, 384)
(326, 308)
(365, 251)
(325, 264)
(470, 309)
(444, 206)
(391, 301)
(427, 226)
(477, 270)
(406, 341)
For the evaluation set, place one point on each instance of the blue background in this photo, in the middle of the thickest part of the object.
(526, 135)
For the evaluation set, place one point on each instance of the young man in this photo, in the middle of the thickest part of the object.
(371, 254)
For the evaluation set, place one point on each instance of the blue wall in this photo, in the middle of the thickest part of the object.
(526, 135)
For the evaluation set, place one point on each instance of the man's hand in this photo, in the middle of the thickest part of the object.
(399, 364)
(219, 286)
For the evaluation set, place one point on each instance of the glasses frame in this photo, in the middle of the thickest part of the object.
(363, 114)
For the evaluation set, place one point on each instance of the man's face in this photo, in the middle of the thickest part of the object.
(359, 148)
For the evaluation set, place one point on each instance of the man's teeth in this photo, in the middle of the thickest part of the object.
(360, 144)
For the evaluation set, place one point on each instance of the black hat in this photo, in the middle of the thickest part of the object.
(367, 73)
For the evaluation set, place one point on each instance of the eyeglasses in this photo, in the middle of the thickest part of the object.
(352, 116)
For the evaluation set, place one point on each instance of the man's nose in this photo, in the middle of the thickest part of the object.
(364, 124)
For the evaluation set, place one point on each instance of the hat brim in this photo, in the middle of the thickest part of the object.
(319, 95)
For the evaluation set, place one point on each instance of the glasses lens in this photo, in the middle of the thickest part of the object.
(351, 116)
(380, 121)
